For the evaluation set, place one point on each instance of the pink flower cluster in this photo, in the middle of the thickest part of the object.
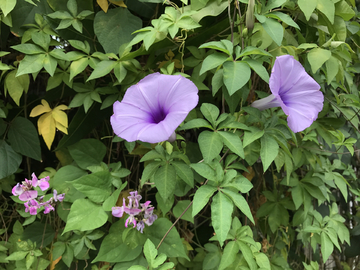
(30, 197)
(138, 215)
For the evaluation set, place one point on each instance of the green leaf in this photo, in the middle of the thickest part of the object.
(210, 144)
(248, 255)
(149, 170)
(327, 246)
(224, 45)
(115, 28)
(38, 233)
(232, 80)
(150, 252)
(7, 6)
(180, 207)
(341, 184)
(24, 138)
(113, 249)
(274, 29)
(120, 71)
(240, 203)
(28, 48)
(17, 255)
(10, 160)
(165, 180)
(172, 245)
(212, 61)
(102, 68)
(327, 8)
(87, 152)
(16, 85)
(210, 112)
(221, 211)
(332, 68)
(259, 69)
(184, 172)
(249, 137)
(232, 141)
(307, 7)
(269, 150)
(31, 64)
(85, 216)
(317, 57)
(77, 67)
(344, 10)
(195, 123)
(204, 170)
(283, 17)
(229, 255)
(96, 186)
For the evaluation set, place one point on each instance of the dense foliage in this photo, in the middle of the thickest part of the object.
(238, 189)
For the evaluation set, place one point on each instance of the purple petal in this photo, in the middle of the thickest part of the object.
(132, 211)
(28, 195)
(140, 226)
(152, 109)
(266, 103)
(117, 211)
(44, 185)
(17, 190)
(34, 180)
(150, 220)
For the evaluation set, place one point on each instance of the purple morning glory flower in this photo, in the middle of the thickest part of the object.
(295, 92)
(152, 109)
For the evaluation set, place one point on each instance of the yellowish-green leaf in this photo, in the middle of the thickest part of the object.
(60, 116)
(103, 4)
(16, 85)
(119, 3)
(47, 128)
(40, 109)
(50, 121)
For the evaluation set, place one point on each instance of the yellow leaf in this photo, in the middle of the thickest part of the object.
(47, 128)
(61, 127)
(119, 3)
(103, 4)
(40, 109)
(60, 116)
(53, 263)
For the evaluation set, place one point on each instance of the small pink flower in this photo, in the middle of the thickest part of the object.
(31, 206)
(17, 190)
(43, 183)
(28, 195)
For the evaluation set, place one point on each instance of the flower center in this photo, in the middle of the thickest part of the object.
(158, 115)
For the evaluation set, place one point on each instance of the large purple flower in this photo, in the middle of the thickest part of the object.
(152, 109)
(294, 91)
